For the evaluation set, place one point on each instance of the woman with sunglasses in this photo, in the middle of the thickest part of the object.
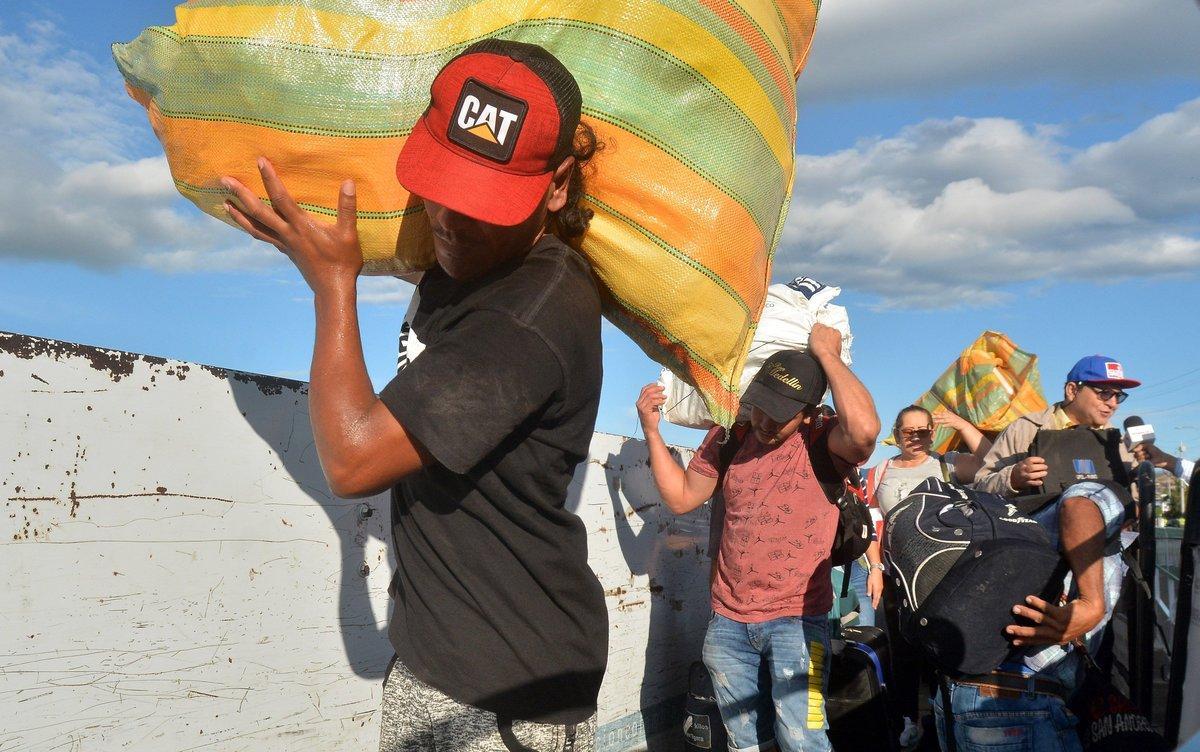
(888, 483)
(892, 480)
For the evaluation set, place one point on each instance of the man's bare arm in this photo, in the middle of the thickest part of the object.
(681, 490)
(1082, 530)
(362, 447)
(853, 439)
(996, 473)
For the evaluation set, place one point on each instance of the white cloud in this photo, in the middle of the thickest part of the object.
(70, 193)
(384, 291)
(251, 256)
(53, 99)
(924, 157)
(897, 47)
(381, 291)
(1154, 168)
(956, 212)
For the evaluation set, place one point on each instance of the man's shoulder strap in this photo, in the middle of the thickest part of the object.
(735, 436)
(834, 482)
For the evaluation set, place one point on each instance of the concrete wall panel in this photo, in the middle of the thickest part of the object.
(178, 576)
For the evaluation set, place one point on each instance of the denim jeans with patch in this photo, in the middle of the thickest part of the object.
(770, 680)
(1026, 722)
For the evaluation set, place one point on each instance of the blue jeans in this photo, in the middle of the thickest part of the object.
(858, 583)
(1032, 722)
(776, 668)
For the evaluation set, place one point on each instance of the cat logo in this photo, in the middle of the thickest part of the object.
(486, 121)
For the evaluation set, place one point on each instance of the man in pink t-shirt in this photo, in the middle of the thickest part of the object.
(771, 587)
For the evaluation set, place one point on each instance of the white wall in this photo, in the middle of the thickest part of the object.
(178, 577)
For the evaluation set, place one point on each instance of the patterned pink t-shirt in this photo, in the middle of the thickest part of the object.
(775, 544)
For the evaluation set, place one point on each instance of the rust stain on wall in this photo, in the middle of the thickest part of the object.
(115, 363)
(119, 365)
(268, 385)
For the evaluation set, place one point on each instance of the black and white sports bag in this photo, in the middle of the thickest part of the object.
(961, 560)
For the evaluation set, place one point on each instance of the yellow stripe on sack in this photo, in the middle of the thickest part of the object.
(621, 174)
(704, 315)
(816, 684)
(668, 30)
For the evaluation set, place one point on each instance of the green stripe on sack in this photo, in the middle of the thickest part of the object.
(708, 133)
(304, 88)
(712, 23)
(325, 93)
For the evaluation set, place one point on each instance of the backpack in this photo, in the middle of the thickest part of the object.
(961, 559)
(853, 535)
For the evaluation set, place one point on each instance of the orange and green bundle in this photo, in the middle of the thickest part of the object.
(991, 383)
(695, 102)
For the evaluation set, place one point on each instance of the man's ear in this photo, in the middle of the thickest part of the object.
(559, 184)
(1070, 389)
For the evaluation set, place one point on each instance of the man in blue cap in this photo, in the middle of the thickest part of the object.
(1070, 461)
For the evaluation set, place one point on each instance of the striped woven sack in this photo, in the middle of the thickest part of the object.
(693, 99)
(991, 384)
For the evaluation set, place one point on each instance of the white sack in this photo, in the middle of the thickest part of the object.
(788, 316)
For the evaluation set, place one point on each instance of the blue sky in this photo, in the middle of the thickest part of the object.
(1028, 168)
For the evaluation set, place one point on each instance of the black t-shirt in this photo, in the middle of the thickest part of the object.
(496, 605)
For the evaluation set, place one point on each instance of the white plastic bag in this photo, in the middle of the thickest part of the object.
(788, 316)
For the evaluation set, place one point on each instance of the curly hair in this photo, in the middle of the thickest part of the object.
(570, 222)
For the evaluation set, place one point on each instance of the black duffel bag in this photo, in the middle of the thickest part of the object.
(961, 559)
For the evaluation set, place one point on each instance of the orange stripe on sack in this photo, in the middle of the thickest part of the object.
(755, 40)
(312, 167)
(800, 17)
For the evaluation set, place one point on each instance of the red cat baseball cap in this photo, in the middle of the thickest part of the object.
(501, 119)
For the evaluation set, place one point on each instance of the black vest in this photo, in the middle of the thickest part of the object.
(1074, 455)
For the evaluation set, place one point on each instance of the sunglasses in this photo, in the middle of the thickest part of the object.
(919, 433)
(1106, 393)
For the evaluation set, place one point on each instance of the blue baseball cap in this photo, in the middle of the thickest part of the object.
(1101, 369)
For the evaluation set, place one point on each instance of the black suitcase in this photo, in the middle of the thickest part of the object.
(702, 727)
(861, 716)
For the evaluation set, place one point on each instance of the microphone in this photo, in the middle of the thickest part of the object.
(1137, 431)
